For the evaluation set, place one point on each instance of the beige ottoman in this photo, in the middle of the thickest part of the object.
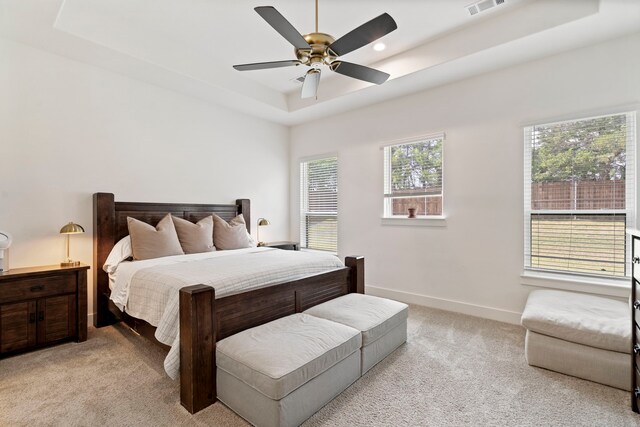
(580, 335)
(282, 372)
(383, 323)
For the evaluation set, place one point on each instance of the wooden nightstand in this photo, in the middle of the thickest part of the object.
(289, 246)
(41, 306)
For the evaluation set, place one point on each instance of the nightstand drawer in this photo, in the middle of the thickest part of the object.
(636, 349)
(635, 266)
(636, 391)
(35, 288)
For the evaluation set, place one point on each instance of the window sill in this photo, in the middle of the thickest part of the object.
(432, 221)
(610, 287)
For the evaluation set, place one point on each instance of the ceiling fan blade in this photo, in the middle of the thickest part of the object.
(310, 84)
(266, 65)
(281, 25)
(359, 72)
(364, 34)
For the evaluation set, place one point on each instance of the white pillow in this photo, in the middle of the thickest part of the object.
(120, 252)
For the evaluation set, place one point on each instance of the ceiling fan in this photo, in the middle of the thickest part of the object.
(317, 49)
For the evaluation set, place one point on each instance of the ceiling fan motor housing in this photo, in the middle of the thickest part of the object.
(320, 52)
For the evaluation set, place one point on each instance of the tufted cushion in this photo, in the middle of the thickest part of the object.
(373, 316)
(584, 319)
(280, 356)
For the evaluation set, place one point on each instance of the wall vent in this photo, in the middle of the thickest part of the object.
(483, 5)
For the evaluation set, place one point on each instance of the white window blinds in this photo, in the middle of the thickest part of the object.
(580, 195)
(319, 204)
(413, 177)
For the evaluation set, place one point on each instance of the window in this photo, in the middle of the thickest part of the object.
(319, 204)
(413, 177)
(579, 195)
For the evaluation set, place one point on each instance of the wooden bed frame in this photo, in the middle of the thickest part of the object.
(203, 318)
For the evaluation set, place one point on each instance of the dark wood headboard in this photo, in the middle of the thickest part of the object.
(110, 225)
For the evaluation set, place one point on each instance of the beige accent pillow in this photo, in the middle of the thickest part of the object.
(149, 242)
(232, 234)
(195, 238)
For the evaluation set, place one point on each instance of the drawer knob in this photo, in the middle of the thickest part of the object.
(37, 288)
(636, 348)
(636, 260)
(636, 305)
(636, 392)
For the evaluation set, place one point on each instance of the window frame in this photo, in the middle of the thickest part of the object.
(304, 201)
(387, 213)
(533, 275)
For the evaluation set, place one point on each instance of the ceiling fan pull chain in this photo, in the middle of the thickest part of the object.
(316, 16)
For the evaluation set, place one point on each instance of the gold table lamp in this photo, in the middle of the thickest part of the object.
(262, 222)
(69, 229)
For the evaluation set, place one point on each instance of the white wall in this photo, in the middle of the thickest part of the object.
(473, 264)
(68, 130)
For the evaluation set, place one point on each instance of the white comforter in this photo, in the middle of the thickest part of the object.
(149, 290)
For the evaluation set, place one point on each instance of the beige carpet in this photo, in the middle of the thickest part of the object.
(455, 370)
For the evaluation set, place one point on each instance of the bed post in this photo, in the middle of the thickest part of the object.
(104, 223)
(244, 208)
(197, 347)
(356, 273)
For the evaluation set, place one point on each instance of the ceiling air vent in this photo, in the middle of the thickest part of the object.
(486, 4)
(483, 5)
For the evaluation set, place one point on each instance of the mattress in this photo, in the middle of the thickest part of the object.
(149, 289)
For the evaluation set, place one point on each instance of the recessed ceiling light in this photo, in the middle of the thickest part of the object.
(379, 47)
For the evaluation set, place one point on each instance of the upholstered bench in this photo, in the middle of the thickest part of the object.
(580, 335)
(383, 323)
(282, 372)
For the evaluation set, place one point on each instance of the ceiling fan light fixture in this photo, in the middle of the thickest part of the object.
(310, 84)
(379, 47)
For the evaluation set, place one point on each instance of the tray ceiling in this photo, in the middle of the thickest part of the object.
(190, 45)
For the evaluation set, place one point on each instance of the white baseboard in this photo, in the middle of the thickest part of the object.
(90, 319)
(445, 304)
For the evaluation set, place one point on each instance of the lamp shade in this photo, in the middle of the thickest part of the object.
(5, 240)
(72, 228)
